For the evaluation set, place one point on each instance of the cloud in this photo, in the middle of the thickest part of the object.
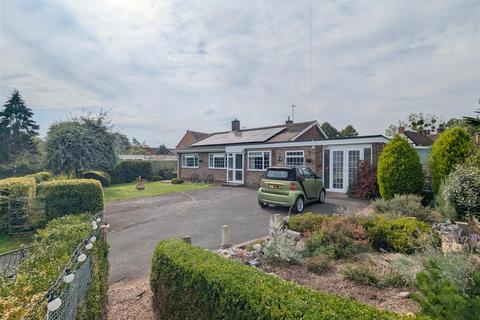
(162, 67)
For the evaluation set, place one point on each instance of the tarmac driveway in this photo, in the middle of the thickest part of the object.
(137, 225)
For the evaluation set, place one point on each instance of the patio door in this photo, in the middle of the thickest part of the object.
(342, 168)
(337, 165)
(235, 167)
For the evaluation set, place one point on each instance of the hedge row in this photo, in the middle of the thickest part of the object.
(71, 196)
(41, 176)
(101, 176)
(128, 171)
(52, 249)
(191, 283)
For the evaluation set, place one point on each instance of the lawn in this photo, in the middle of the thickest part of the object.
(128, 190)
(8, 243)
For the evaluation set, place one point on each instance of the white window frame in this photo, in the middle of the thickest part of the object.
(211, 160)
(189, 155)
(263, 152)
(295, 156)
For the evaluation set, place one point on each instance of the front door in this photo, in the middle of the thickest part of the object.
(235, 168)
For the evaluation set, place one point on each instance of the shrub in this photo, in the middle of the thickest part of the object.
(18, 170)
(71, 196)
(451, 148)
(404, 234)
(371, 273)
(177, 181)
(41, 176)
(3, 214)
(167, 174)
(307, 222)
(190, 283)
(408, 205)
(428, 196)
(399, 169)
(101, 176)
(318, 264)
(337, 238)
(461, 192)
(366, 186)
(128, 171)
(474, 159)
(52, 250)
(157, 178)
(449, 286)
(281, 246)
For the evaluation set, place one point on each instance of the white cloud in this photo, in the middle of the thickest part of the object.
(166, 66)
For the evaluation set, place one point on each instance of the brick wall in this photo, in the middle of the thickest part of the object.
(311, 134)
(202, 170)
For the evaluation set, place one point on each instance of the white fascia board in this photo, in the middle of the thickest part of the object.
(333, 142)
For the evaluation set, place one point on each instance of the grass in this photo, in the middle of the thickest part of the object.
(128, 190)
(8, 243)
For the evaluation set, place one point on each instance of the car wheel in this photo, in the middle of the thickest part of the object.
(322, 196)
(299, 205)
(262, 204)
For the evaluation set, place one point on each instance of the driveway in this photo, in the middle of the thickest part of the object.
(137, 225)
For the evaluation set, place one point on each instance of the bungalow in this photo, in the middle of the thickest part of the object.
(241, 156)
(422, 140)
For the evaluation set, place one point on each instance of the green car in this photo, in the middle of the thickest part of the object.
(290, 187)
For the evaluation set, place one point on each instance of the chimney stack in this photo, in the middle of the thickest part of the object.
(401, 130)
(235, 125)
(288, 121)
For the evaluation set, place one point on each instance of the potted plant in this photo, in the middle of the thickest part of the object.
(140, 183)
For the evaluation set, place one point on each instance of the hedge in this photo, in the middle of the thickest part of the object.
(52, 249)
(71, 196)
(101, 176)
(190, 283)
(399, 169)
(41, 176)
(128, 171)
(451, 148)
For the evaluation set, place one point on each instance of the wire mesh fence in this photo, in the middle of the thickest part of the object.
(9, 261)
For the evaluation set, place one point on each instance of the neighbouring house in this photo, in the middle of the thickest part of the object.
(422, 140)
(241, 156)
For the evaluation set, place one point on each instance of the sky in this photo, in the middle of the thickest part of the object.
(162, 67)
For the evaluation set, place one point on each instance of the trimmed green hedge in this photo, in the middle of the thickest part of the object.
(129, 170)
(190, 283)
(101, 176)
(71, 196)
(453, 147)
(18, 187)
(41, 176)
(52, 249)
(399, 169)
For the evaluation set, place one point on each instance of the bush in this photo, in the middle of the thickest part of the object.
(41, 176)
(307, 222)
(371, 273)
(18, 187)
(157, 178)
(366, 186)
(461, 192)
(52, 250)
(428, 196)
(451, 148)
(190, 283)
(17, 170)
(167, 174)
(281, 246)
(399, 169)
(337, 238)
(449, 286)
(101, 176)
(318, 264)
(408, 205)
(128, 171)
(177, 181)
(474, 159)
(404, 235)
(71, 196)
(3, 214)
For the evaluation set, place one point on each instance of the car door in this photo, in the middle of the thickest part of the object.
(311, 184)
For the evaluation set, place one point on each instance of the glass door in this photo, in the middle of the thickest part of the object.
(235, 167)
(338, 183)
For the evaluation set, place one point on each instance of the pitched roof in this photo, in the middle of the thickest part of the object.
(277, 133)
(421, 139)
(191, 137)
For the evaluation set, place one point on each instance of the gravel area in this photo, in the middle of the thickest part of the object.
(130, 300)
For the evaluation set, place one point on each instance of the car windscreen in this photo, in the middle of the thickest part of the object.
(280, 174)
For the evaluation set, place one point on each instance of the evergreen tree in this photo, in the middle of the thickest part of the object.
(162, 149)
(348, 131)
(17, 129)
(329, 130)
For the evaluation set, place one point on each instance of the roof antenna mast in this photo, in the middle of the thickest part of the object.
(293, 112)
(311, 62)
